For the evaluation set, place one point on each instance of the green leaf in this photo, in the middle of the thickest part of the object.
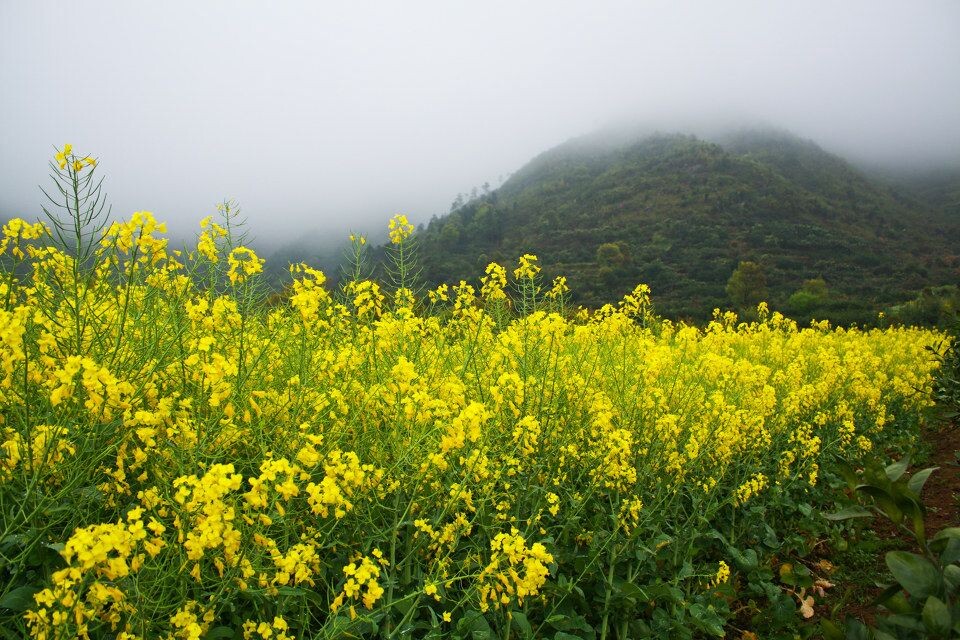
(848, 474)
(948, 548)
(706, 619)
(663, 591)
(898, 603)
(952, 576)
(884, 502)
(896, 470)
(300, 592)
(658, 545)
(220, 632)
(795, 575)
(919, 479)
(907, 622)
(562, 622)
(473, 623)
(563, 635)
(632, 592)
(949, 532)
(519, 620)
(20, 599)
(770, 537)
(830, 630)
(403, 605)
(914, 510)
(853, 511)
(914, 573)
(936, 617)
(856, 630)
(888, 595)
(747, 560)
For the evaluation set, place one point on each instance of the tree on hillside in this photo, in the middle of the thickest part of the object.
(610, 254)
(747, 285)
(811, 295)
(450, 235)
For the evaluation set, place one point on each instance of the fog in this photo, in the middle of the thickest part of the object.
(318, 117)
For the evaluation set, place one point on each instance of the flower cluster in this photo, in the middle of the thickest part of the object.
(527, 268)
(400, 228)
(361, 582)
(65, 157)
(515, 571)
(722, 576)
(750, 488)
(243, 264)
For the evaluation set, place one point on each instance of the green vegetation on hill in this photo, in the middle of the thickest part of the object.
(682, 214)
(937, 187)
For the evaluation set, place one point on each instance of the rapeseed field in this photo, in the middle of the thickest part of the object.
(182, 458)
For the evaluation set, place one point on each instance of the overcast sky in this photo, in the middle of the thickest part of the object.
(321, 115)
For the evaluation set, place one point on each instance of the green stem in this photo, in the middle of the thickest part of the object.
(609, 591)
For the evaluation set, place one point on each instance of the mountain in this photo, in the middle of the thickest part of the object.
(681, 213)
(937, 186)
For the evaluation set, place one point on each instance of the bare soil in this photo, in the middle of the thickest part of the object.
(942, 490)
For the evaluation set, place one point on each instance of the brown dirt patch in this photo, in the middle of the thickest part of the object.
(943, 487)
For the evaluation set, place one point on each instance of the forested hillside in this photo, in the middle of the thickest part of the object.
(681, 214)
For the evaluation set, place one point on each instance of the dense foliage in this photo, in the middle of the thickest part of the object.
(935, 306)
(681, 213)
(923, 600)
(181, 460)
(946, 386)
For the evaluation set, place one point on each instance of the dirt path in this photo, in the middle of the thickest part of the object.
(942, 491)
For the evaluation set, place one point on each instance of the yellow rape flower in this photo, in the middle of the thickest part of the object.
(527, 268)
(400, 229)
(243, 264)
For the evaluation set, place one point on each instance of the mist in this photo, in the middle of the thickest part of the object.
(320, 119)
